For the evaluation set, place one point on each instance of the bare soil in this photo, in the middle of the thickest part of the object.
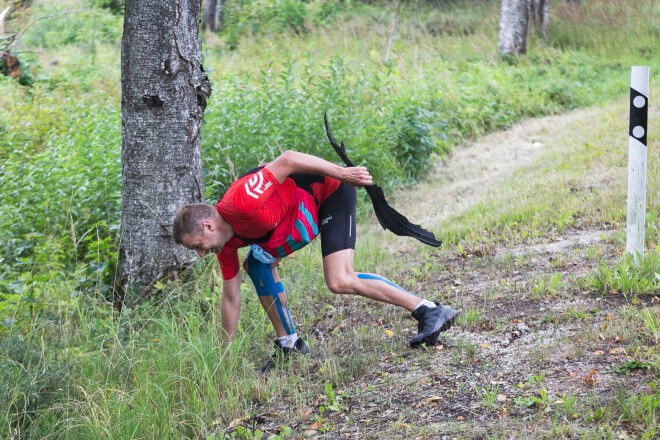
(518, 335)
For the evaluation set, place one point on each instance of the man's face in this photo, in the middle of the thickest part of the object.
(207, 241)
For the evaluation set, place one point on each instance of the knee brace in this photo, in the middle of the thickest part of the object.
(261, 275)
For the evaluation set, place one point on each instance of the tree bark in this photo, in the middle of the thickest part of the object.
(218, 14)
(164, 93)
(211, 11)
(513, 27)
(539, 12)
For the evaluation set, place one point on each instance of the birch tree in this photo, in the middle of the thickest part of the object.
(512, 38)
(211, 19)
(539, 13)
(164, 94)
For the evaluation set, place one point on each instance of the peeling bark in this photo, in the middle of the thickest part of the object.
(164, 93)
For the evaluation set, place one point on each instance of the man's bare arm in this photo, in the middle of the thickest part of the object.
(230, 306)
(295, 162)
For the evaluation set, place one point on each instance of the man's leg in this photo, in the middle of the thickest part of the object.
(272, 295)
(342, 279)
(338, 234)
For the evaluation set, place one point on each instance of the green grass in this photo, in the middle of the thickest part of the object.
(71, 368)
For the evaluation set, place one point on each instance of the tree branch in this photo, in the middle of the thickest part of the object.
(395, 25)
(380, 20)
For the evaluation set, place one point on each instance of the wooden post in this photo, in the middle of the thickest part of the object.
(639, 105)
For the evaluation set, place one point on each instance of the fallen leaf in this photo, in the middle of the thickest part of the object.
(308, 412)
(617, 350)
(516, 320)
(485, 345)
(434, 399)
(439, 347)
(572, 374)
(591, 378)
(502, 415)
(310, 432)
(599, 353)
(521, 386)
(389, 333)
(238, 422)
(460, 418)
(501, 397)
(316, 425)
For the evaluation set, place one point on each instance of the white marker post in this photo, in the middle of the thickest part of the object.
(639, 106)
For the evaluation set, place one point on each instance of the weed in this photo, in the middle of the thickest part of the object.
(547, 286)
(652, 323)
(488, 395)
(470, 318)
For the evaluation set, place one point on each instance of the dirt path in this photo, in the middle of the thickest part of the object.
(524, 323)
(475, 169)
(532, 348)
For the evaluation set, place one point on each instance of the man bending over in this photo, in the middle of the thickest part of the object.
(277, 209)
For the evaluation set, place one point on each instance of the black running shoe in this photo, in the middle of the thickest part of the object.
(431, 321)
(282, 354)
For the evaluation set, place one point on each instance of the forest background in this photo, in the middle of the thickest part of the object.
(403, 86)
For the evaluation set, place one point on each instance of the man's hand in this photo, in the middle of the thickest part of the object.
(356, 176)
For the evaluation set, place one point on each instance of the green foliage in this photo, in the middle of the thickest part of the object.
(574, 26)
(241, 18)
(142, 375)
(30, 381)
(626, 277)
(84, 28)
(114, 6)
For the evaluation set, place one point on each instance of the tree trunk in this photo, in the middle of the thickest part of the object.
(539, 12)
(513, 27)
(218, 14)
(209, 21)
(164, 93)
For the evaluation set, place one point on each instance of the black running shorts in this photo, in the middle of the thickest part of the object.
(337, 218)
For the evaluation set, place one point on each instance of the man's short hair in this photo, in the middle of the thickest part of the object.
(188, 220)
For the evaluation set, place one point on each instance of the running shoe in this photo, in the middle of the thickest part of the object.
(431, 321)
(282, 354)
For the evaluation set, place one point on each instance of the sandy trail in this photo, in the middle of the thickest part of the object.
(473, 170)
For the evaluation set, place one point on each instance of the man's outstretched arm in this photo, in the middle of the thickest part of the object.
(230, 306)
(291, 162)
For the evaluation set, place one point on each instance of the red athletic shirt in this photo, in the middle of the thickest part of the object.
(257, 203)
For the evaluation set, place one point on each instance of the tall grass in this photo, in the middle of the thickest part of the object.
(69, 367)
